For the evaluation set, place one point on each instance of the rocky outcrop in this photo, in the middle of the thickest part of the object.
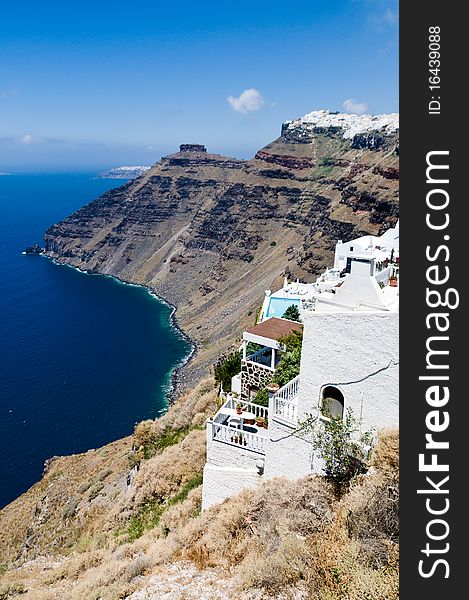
(192, 148)
(34, 249)
(285, 160)
(210, 233)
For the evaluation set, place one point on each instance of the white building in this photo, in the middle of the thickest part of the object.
(349, 360)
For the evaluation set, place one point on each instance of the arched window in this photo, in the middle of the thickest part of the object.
(332, 402)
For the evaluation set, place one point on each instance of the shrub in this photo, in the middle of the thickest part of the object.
(226, 368)
(153, 441)
(261, 398)
(292, 313)
(341, 454)
(95, 490)
(292, 341)
(186, 488)
(288, 367)
(149, 514)
(70, 508)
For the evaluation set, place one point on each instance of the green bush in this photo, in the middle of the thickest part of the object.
(288, 367)
(253, 347)
(261, 398)
(292, 313)
(226, 368)
(168, 437)
(342, 455)
(292, 340)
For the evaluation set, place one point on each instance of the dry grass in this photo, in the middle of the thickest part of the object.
(190, 411)
(283, 537)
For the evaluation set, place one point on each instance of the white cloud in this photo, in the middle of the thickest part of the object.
(26, 139)
(249, 101)
(352, 106)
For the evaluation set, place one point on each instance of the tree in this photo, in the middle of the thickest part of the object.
(292, 313)
(226, 367)
(336, 443)
(289, 365)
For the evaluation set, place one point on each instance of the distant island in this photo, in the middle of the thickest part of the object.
(124, 172)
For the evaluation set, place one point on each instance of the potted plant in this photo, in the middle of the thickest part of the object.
(393, 281)
(265, 423)
(260, 421)
(239, 408)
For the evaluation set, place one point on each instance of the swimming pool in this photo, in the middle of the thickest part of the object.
(278, 306)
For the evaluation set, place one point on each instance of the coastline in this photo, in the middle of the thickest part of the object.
(174, 384)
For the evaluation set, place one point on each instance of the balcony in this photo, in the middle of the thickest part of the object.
(266, 357)
(229, 428)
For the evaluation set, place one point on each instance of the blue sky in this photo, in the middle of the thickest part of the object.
(96, 84)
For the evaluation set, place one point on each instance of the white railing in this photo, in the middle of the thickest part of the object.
(285, 401)
(257, 409)
(289, 390)
(235, 437)
(285, 411)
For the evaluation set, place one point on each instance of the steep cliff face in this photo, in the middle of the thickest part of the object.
(210, 233)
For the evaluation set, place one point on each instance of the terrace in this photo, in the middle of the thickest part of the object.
(247, 429)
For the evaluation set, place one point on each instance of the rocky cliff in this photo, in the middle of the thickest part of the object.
(210, 233)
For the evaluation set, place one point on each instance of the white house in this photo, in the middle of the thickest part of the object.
(349, 359)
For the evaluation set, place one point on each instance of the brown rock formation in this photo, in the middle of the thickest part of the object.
(210, 233)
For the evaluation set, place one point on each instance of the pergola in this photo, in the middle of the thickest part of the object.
(267, 334)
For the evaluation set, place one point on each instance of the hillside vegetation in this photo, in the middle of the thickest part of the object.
(150, 540)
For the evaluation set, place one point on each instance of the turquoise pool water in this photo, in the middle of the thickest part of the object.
(278, 306)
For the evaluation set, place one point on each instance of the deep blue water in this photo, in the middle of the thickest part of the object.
(82, 357)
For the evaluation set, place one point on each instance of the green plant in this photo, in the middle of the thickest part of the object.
(186, 488)
(292, 313)
(226, 368)
(261, 398)
(273, 243)
(288, 367)
(342, 455)
(169, 437)
(292, 340)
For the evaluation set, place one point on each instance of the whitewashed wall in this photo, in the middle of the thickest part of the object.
(287, 455)
(358, 353)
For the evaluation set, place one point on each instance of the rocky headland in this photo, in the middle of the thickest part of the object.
(209, 233)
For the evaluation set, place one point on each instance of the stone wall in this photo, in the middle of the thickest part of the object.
(253, 376)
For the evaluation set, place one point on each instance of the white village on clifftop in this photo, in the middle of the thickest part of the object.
(349, 362)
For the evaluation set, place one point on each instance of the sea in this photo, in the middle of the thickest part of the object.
(82, 357)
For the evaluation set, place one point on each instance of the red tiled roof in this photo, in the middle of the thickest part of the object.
(275, 328)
